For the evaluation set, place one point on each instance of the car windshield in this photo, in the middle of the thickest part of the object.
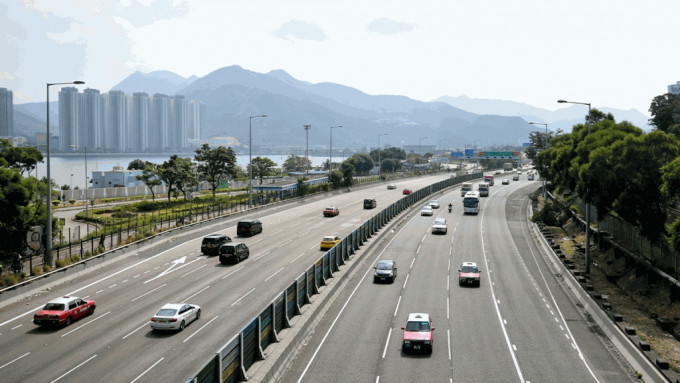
(470, 202)
(211, 240)
(166, 312)
(418, 326)
(54, 307)
(469, 269)
(439, 221)
(384, 266)
(228, 249)
(328, 239)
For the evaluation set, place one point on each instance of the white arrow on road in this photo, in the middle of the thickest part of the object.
(170, 269)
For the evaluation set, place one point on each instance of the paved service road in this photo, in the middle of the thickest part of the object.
(116, 344)
(519, 325)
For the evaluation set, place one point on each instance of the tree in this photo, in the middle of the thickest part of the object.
(362, 163)
(150, 177)
(173, 172)
(665, 111)
(347, 169)
(296, 164)
(215, 164)
(136, 164)
(336, 179)
(188, 179)
(390, 165)
(538, 141)
(262, 166)
(25, 159)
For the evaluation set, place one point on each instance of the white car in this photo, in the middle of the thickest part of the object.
(439, 226)
(434, 204)
(175, 316)
(427, 210)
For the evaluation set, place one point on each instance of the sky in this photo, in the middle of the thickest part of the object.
(610, 53)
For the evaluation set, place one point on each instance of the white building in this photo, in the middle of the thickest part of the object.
(118, 177)
(675, 89)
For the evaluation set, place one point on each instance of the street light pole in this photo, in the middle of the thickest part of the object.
(379, 164)
(307, 127)
(48, 232)
(545, 146)
(587, 189)
(330, 153)
(250, 159)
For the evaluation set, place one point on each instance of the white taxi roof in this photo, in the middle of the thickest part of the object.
(63, 300)
(474, 264)
(418, 317)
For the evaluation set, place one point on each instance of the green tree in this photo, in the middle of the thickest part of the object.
(215, 164)
(302, 186)
(150, 177)
(665, 111)
(188, 179)
(390, 165)
(136, 164)
(173, 172)
(25, 159)
(362, 163)
(538, 141)
(347, 169)
(336, 179)
(296, 164)
(262, 167)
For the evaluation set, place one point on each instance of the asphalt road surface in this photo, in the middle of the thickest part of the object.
(518, 326)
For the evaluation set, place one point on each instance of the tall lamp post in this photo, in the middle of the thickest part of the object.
(48, 231)
(379, 164)
(250, 159)
(330, 153)
(587, 189)
(307, 127)
(545, 146)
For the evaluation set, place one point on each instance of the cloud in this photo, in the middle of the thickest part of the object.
(385, 26)
(300, 30)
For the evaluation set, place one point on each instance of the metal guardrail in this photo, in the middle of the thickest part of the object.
(232, 361)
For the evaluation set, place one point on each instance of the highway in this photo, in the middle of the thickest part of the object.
(116, 344)
(520, 325)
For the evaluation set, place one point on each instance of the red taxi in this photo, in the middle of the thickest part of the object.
(468, 274)
(331, 211)
(418, 333)
(63, 311)
(406, 191)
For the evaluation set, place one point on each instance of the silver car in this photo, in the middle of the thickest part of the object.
(175, 316)
(427, 210)
(434, 204)
(439, 226)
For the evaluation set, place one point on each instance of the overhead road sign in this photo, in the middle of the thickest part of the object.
(494, 155)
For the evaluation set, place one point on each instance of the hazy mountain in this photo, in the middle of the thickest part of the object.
(27, 124)
(161, 81)
(564, 118)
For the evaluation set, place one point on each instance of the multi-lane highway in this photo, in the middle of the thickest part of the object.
(519, 325)
(116, 344)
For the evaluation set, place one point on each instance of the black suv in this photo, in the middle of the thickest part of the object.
(233, 252)
(249, 228)
(370, 203)
(212, 243)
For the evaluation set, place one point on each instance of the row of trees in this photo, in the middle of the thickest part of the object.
(619, 168)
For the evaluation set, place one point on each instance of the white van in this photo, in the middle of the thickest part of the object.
(466, 187)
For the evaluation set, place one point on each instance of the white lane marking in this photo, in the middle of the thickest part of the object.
(277, 232)
(88, 323)
(424, 236)
(172, 268)
(202, 327)
(514, 347)
(135, 330)
(412, 262)
(313, 247)
(228, 275)
(97, 292)
(387, 342)
(243, 296)
(418, 250)
(294, 259)
(124, 280)
(397, 307)
(196, 269)
(285, 243)
(262, 255)
(149, 292)
(269, 277)
(136, 276)
(259, 240)
(16, 327)
(199, 291)
(74, 368)
(448, 339)
(405, 280)
(12, 361)
(147, 370)
(113, 285)
(447, 307)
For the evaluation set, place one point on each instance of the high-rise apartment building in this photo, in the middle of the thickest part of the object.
(158, 122)
(675, 88)
(91, 119)
(177, 124)
(116, 117)
(6, 113)
(69, 134)
(196, 120)
(138, 126)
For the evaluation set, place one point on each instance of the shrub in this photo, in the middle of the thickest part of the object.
(46, 268)
(88, 254)
(55, 203)
(36, 270)
(8, 280)
(72, 201)
(59, 263)
(75, 258)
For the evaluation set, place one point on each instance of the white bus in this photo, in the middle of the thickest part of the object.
(471, 203)
(464, 188)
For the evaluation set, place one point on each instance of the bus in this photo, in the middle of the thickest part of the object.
(471, 203)
(464, 188)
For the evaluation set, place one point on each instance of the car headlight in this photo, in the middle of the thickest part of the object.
(426, 342)
(407, 342)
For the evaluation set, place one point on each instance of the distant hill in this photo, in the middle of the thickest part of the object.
(232, 94)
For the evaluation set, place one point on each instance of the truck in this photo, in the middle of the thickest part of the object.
(507, 166)
(488, 180)
(483, 189)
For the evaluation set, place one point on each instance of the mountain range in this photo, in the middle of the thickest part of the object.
(233, 94)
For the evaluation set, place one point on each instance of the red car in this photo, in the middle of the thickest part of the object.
(469, 274)
(418, 333)
(407, 191)
(63, 311)
(331, 211)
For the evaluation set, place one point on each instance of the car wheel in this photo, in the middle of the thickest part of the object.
(393, 278)
(198, 314)
(91, 311)
(68, 321)
(182, 326)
